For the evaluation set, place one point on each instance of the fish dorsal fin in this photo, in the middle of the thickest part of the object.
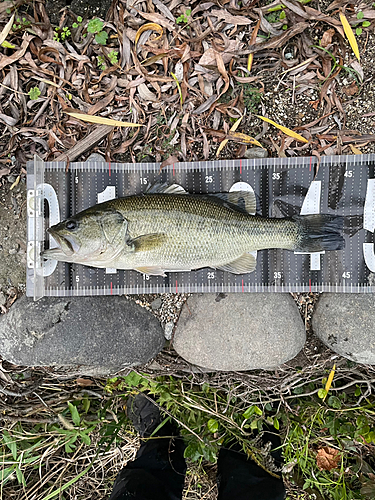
(164, 188)
(112, 224)
(244, 264)
(147, 242)
(245, 201)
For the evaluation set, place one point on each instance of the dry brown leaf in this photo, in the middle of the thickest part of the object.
(327, 458)
(224, 142)
(169, 161)
(351, 89)
(327, 37)
(355, 150)
(6, 60)
(229, 18)
(253, 39)
(158, 19)
(84, 382)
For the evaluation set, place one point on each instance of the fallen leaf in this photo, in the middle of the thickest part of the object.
(252, 42)
(349, 35)
(101, 120)
(351, 89)
(355, 150)
(243, 138)
(225, 141)
(329, 380)
(6, 30)
(149, 27)
(327, 37)
(84, 382)
(327, 458)
(286, 130)
(169, 161)
(229, 18)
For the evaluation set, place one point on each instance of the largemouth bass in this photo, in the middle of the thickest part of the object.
(166, 231)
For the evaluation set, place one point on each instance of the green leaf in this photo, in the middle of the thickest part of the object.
(79, 19)
(11, 444)
(254, 424)
(276, 423)
(133, 379)
(258, 411)
(8, 11)
(7, 45)
(282, 15)
(74, 412)
(95, 25)
(101, 37)
(192, 451)
(250, 411)
(20, 476)
(74, 25)
(187, 12)
(34, 93)
(334, 402)
(360, 15)
(366, 24)
(213, 425)
(322, 393)
(85, 438)
(358, 31)
(358, 391)
(85, 402)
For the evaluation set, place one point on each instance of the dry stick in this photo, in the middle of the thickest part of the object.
(84, 144)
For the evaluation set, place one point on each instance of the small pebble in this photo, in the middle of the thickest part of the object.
(13, 251)
(3, 299)
(168, 330)
(156, 304)
(256, 153)
(11, 178)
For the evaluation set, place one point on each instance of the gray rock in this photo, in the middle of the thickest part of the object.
(98, 335)
(256, 153)
(346, 324)
(3, 298)
(239, 331)
(156, 304)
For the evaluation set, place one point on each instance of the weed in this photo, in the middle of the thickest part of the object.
(34, 93)
(113, 57)
(101, 63)
(365, 24)
(95, 26)
(184, 18)
(61, 34)
(78, 23)
(252, 97)
(336, 65)
(21, 24)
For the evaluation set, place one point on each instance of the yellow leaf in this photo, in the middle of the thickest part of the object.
(101, 120)
(149, 26)
(224, 142)
(252, 42)
(286, 130)
(244, 138)
(8, 45)
(355, 150)
(350, 35)
(329, 380)
(6, 29)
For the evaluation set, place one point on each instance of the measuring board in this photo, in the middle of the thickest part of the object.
(342, 185)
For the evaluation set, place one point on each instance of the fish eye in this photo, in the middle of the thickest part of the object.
(71, 225)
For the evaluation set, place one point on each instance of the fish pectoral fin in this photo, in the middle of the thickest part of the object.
(244, 264)
(147, 242)
(152, 270)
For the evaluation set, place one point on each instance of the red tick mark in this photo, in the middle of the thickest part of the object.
(242, 286)
(310, 163)
(310, 285)
(111, 287)
(241, 167)
(109, 165)
(173, 169)
(176, 287)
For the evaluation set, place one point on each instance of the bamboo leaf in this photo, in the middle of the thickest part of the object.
(355, 150)
(146, 27)
(243, 138)
(101, 120)
(6, 29)
(225, 141)
(252, 42)
(286, 130)
(329, 381)
(349, 35)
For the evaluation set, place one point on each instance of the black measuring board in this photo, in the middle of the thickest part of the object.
(342, 185)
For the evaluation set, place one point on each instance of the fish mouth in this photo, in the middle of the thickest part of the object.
(66, 246)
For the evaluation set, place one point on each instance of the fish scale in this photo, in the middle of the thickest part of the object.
(343, 185)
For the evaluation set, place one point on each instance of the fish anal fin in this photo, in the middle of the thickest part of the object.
(151, 270)
(147, 242)
(244, 264)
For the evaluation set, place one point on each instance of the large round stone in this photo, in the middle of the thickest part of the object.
(98, 335)
(239, 331)
(346, 324)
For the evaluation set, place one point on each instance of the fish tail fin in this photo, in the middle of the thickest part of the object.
(319, 232)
